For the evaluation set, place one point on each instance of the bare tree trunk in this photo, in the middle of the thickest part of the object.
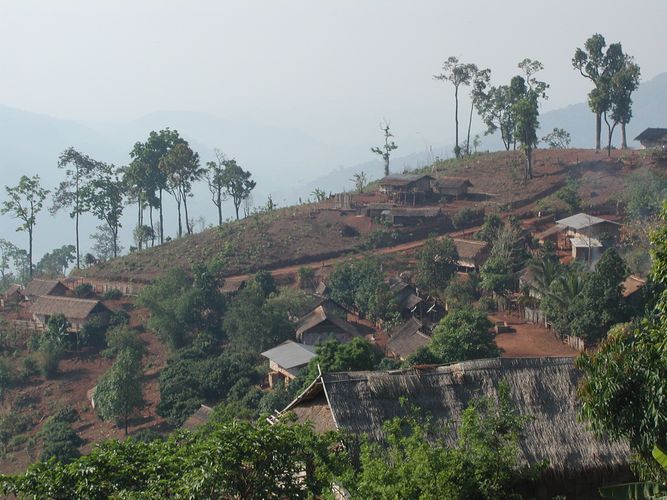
(180, 226)
(77, 234)
(237, 204)
(150, 216)
(624, 138)
(161, 220)
(457, 149)
(188, 228)
(219, 208)
(386, 167)
(469, 127)
(139, 221)
(30, 252)
(598, 130)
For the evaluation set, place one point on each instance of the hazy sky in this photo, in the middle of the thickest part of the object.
(331, 69)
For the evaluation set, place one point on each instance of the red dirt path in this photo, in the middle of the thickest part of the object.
(528, 340)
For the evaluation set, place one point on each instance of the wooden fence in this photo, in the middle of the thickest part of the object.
(537, 317)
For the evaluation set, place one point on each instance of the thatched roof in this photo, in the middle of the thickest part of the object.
(319, 315)
(544, 389)
(469, 249)
(652, 134)
(290, 354)
(407, 338)
(200, 417)
(453, 182)
(403, 292)
(39, 288)
(402, 180)
(71, 307)
(553, 230)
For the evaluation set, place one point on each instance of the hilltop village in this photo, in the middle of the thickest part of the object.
(437, 287)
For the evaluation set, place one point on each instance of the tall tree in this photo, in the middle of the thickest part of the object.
(480, 81)
(215, 179)
(26, 200)
(78, 168)
(105, 199)
(624, 82)
(438, 261)
(119, 391)
(458, 74)
(181, 169)
(598, 62)
(385, 150)
(237, 183)
(148, 155)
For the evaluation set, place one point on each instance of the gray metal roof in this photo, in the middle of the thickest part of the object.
(582, 220)
(290, 354)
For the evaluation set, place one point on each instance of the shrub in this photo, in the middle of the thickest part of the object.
(112, 294)
(29, 367)
(59, 441)
(118, 318)
(306, 277)
(467, 217)
(12, 424)
(50, 351)
(93, 331)
(84, 290)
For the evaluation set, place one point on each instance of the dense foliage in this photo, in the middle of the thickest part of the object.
(438, 261)
(360, 284)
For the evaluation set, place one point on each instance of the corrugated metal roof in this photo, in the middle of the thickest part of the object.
(582, 242)
(581, 221)
(290, 354)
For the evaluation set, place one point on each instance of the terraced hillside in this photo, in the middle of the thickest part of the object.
(314, 232)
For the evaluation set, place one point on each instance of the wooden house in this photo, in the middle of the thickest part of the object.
(324, 323)
(452, 187)
(472, 254)
(406, 339)
(405, 295)
(653, 138)
(544, 390)
(406, 216)
(76, 311)
(407, 189)
(39, 288)
(287, 360)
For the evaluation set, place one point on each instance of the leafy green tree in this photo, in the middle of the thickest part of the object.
(360, 283)
(145, 177)
(26, 200)
(121, 338)
(489, 230)
(78, 168)
(508, 255)
(59, 441)
(181, 169)
(105, 200)
(55, 263)
(438, 262)
(182, 305)
(229, 460)
(385, 150)
(416, 462)
(598, 63)
(457, 73)
(237, 183)
(119, 390)
(461, 335)
(479, 83)
(215, 180)
(332, 356)
(461, 291)
(256, 319)
(558, 138)
(623, 83)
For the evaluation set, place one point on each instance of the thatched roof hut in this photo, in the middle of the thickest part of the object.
(39, 288)
(544, 389)
(77, 311)
(472, 253)
(322, 323)
(407, 339)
